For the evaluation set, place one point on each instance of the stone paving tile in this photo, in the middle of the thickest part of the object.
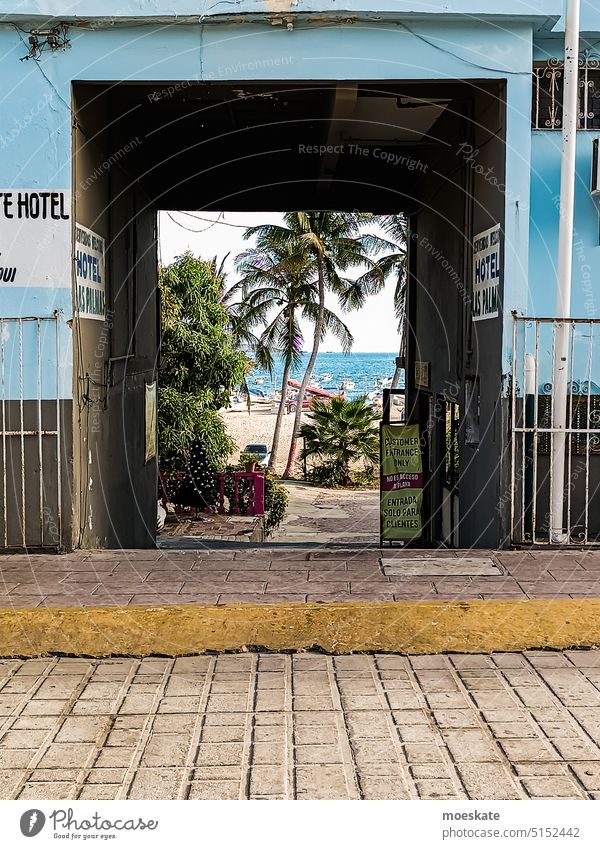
(277, 575)
(304, 726)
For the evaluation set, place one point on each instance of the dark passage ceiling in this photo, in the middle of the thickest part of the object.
(283, 146)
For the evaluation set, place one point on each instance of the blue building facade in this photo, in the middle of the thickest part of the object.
(75, 172)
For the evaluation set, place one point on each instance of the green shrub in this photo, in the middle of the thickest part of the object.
(338, 433)
(248, 457)
(328, 474)
(276, 502)
(331, 476)
(367, 478)
(276, 497)
(199, 363)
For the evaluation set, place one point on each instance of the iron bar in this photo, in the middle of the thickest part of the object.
(581, 430)
(4, 471)
(513, 423)
(22, 420)
(535, 435)
(588, 437)
(569, 438)
(58, 439)
(39, 415)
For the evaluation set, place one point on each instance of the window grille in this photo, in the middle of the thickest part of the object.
(533, 431)
(548, 80)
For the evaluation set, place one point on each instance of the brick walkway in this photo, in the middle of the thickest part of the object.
(268, 575)
(302, 726)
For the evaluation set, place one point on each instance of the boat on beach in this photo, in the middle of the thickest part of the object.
(356, 374)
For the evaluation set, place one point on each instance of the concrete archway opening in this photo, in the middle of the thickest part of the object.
(432, 149)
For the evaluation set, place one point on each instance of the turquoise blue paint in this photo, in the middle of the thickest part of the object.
(543, 242)
(590, 18)
(545, 190)
(19, 302)
(543, 10)
(432, 47)
(408, 42)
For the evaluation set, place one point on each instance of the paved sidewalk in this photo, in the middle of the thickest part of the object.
(287, 574)
(302, 726)
(329, 516)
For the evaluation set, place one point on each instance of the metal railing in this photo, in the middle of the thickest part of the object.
(532, 432)
(236, 493)
(548, 80)
(30, 432)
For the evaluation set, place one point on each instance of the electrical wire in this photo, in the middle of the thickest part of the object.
(212, 223)
(459, 57)
(41, 70)
(204, 229)
(226, 223)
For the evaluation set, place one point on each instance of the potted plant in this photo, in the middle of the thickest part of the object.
(250, 461)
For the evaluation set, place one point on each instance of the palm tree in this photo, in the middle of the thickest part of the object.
(271, 280)
(393, 263)
(243, 336)
(279, 279)
(333, 242)
(341, 431)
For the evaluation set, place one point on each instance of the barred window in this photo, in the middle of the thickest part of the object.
(548, 80)
(583, 413)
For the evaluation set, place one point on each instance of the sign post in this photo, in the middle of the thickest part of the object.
(401, 483)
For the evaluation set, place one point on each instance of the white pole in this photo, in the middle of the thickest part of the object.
(529, 374)
(565, 260)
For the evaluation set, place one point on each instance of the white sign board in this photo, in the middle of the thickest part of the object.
(90, 274)
(486, 274)
(35, 238)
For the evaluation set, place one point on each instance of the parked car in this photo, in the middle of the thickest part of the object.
(261, 449)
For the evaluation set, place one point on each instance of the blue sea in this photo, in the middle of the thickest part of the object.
(331, 369)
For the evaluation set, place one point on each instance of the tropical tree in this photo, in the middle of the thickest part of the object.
(278, 286)
(199, 363)
(392, 263)
(340, 432)
(271, 282)
(335, 242)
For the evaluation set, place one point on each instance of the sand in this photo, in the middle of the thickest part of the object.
(258, 426)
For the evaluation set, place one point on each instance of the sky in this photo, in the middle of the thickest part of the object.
(374, 327)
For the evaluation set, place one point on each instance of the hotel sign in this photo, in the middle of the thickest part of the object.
(90, 274)
(35, 238)
(486, 274)
(401, 493)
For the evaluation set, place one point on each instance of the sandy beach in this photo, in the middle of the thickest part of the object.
(258, 426)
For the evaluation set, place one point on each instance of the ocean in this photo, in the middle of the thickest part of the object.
(364, 369)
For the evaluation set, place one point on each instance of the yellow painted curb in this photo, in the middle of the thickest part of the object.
(418, 627)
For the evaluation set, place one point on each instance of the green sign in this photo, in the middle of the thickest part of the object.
(401, 482)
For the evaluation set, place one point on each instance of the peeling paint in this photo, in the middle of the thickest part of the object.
(280, 5)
